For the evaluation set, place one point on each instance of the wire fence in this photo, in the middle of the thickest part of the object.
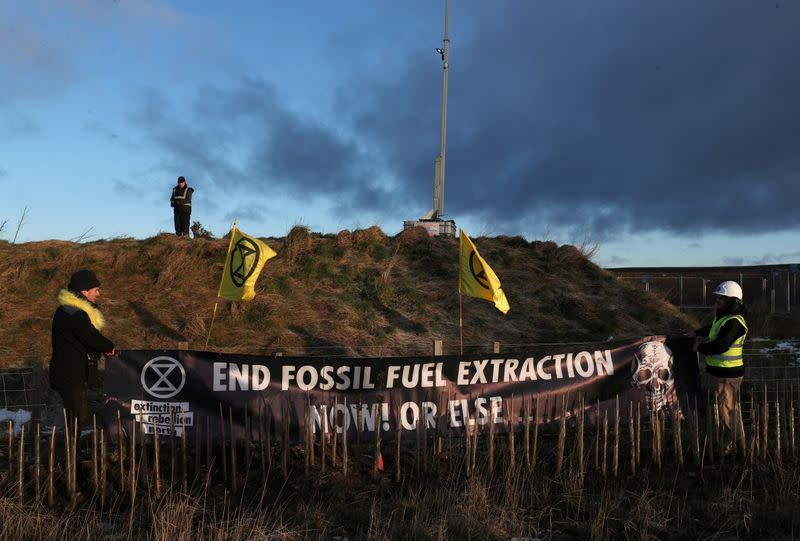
(773, 287)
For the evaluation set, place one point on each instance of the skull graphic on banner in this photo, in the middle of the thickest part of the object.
(653, 371)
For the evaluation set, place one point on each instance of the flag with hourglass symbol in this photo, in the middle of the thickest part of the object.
(246, 256)
(476, 278)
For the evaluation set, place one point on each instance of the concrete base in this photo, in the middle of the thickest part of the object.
(435, 228)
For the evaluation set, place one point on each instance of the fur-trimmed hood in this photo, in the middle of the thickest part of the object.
(68, 298)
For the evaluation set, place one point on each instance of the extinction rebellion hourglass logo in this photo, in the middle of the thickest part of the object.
(244, 260)
(163, 377)
(480, 274)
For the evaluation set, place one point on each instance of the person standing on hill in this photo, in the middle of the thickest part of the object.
(77, 343)
(181, 202)
(722, 349)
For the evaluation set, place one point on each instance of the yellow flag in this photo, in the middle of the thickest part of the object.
(246, 256)
(476, 278)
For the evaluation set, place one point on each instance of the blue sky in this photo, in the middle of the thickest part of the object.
(668, 132)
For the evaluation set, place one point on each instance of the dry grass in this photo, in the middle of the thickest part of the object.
(439, 502)
(357, 293)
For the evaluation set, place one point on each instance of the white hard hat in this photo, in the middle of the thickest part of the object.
(729, 288)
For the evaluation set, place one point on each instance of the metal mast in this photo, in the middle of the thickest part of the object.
(438, 185)
(433, 221)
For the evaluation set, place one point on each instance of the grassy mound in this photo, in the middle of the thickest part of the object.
(357, 293)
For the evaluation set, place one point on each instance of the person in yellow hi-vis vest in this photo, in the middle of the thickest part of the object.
(722, 349)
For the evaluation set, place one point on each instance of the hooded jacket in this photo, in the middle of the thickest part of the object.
(77, 341)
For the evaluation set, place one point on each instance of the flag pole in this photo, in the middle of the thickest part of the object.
(213, 317)
(216, 303)
(460, 322)
(460, 309)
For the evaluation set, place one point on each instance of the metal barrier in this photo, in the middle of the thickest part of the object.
(20, 389)
(776, 288)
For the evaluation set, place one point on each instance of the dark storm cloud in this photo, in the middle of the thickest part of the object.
(244, 137)
(765, 259)
(249, 213)
(630, 116)
(675, 116)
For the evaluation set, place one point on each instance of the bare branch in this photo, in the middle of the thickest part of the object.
(83, 236)
(20, 223)
(3, 225)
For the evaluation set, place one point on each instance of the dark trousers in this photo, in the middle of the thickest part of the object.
(76, 402)
(182, 215)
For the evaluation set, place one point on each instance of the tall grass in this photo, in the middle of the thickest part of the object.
(434, 499)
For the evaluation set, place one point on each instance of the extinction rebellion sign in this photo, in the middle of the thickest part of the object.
(171, 391)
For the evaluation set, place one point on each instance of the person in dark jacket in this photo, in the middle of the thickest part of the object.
(77, 342)
(721, 343)
(181, 202)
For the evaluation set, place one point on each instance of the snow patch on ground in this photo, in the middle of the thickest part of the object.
(785, 347)
(18, 417)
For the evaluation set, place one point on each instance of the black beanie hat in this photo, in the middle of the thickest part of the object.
(83, 280)
(181, 179)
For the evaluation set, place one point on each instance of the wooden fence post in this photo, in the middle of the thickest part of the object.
(615, 461)
(10, 434)
(184, 457)
(467, 446)
(132, 466)
(223, 450)
(377, 454)
(638, 433)
(37, 465)
(198, 455)
(323, 437)
(491, 440)
(51, 468)
(677, 440)
(74, 455)
(605, 441)
(285, 440)
(234, 442)
(121, 452)
(156, 462)
(535, 435)
(778, 453)
(398, 432)
(597, 429)
(512, 458)
(765, 427)
(172, 451)
(632, 436)
(562, 435)
(95, 464)
(345, 457)
(474, 456)
(102, 469)
(21, 472)
(335, 436)
(709, 436)
(526, 437)
(581, 426)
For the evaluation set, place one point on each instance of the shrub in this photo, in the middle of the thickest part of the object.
(298, 242)
(200, 232)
